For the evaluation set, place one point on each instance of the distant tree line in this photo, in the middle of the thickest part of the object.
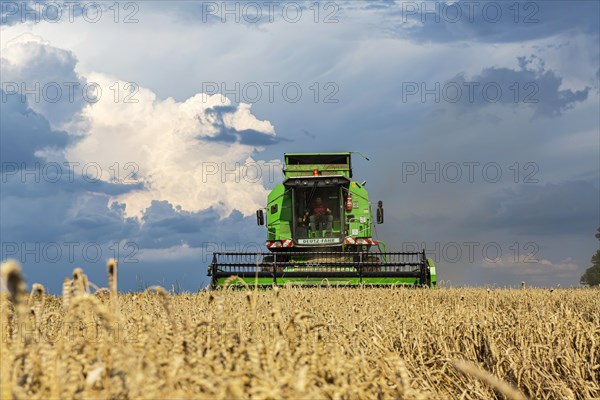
(591, 276)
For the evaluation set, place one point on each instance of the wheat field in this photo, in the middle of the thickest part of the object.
(333, 343)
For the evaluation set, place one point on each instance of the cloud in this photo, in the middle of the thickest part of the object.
(529, 266)
(25, 132)
(196, 154)
(532, 86)
(552, 209)
(238, 125)
(166, 226)
(487, 21)
(12, 12)
(150, 157)
(43, 11)
(176, 168)
(49, 201)
(46, 76)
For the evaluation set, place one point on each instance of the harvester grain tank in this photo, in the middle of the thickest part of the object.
(320, 231)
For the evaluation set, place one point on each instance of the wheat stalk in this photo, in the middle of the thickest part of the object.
(38, 294)
(111, 266)
(67, 289)
(507, 390)
(300, 343)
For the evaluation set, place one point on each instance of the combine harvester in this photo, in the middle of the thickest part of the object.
(320, 232)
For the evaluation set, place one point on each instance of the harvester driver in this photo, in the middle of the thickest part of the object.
(319, 213)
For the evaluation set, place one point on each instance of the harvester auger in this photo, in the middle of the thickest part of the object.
(319, 232)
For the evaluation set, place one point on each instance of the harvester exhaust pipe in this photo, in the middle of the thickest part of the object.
(360, 154)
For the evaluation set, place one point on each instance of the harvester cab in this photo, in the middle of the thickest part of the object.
(318, 206)
(320, 231)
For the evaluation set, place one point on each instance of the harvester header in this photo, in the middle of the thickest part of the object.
(320, 229)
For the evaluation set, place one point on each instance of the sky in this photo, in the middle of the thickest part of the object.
(152, 131)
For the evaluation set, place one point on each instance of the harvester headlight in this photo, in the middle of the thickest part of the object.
(327, 181)
(297, 181)
(334, 180)
(305, 182)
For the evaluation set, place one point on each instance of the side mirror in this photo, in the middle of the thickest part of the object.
(380, 212)
(260, 217)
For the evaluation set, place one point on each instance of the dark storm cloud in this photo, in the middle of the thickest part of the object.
(40, 205)
(105, 223)
(252, 137)
(79, 211)
(48, 79)
(62, 216)
(225, 135)
(535, 87)
(563, 208)
(87, 233)
(249, 137)
(490, 21)
(166, 226)
(23, 132)
(46, 202)
(38, 196)
(28, 179)
(88, 218)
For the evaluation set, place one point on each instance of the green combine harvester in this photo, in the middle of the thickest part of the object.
(320, 232)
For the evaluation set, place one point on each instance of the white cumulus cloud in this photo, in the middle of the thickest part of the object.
(170, 147)
(196, 154)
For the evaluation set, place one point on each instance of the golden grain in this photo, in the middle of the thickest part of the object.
(298, 343)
